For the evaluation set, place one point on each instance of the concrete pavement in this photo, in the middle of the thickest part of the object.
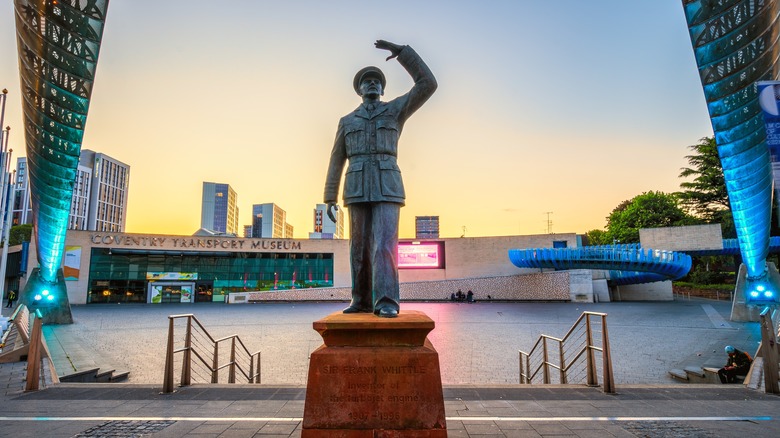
(478, 351)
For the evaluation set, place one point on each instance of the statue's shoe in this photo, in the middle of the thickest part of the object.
(356, 309)
(387, 312)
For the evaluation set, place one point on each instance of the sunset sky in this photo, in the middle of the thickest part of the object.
(567, 106)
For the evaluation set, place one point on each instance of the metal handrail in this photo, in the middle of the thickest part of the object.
(527, 373)
(212, 364)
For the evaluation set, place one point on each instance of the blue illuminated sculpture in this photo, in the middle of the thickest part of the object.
(58, 43)
(627, 264)
(735, 43)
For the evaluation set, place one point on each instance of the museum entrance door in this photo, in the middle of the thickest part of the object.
(161, 292)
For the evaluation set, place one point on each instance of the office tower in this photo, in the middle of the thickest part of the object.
(22, 211)
(288, 231)
(219, 208)
(99, 199)
(247, 231)
(426, 227)
(324, 228)
(270, 221)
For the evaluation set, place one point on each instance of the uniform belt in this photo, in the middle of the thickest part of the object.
(371, 157)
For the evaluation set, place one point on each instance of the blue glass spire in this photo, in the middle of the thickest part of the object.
(735, 43)
(58, 42)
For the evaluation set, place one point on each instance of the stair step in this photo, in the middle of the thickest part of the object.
(695, 371)
(679, 374)
(120, 376)
(84, 376)
(104, 376)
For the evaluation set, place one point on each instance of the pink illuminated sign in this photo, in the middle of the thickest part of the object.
(420, 255)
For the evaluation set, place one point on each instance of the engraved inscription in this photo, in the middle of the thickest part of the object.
(383, 388)
(348, 370)
(403, 369)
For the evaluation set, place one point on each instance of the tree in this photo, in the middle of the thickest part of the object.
(19, 233)
(648, 210)
(596, 237)
(705, 196)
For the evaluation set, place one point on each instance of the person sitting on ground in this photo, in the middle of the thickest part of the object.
(452, 297)
(738, 364)
(470, 296)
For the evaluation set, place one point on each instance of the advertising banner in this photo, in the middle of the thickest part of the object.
(157, 276)
(768, 99)
(72, 263)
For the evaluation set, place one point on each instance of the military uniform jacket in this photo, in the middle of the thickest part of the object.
(370, 142)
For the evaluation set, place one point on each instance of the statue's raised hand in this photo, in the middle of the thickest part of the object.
(394, 49)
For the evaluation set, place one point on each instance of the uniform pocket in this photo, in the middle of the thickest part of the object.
(355, 139)
(390, 179)
(387, 136)
(353, 181)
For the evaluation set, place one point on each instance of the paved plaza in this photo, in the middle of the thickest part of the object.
(477, 344)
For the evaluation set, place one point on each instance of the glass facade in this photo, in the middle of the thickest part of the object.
(128, 276)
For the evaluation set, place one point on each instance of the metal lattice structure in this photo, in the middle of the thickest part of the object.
(735, 43)
(58, 42)
(628, 264)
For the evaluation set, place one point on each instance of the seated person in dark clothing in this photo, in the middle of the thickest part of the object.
(738, 364)
(470, 296)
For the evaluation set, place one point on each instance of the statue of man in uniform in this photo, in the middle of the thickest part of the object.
(373, 189)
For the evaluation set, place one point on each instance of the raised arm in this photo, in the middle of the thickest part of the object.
(424, 82)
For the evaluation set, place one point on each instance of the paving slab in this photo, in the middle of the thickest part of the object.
(477, 345)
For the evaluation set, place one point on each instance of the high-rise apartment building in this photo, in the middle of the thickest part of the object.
(324, 228)
(99, 201)
(270, 221)
(426, 227)
(219, 208)
(22, 210)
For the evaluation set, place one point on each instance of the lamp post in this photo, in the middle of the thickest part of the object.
(3, 147)
(5, 215)
(5, 164)
(3, 152)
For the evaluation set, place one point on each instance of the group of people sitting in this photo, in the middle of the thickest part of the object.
(460, 297)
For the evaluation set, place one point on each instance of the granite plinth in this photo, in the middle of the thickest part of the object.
(374, 377)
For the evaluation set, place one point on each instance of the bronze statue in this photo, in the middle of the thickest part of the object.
(373, 189)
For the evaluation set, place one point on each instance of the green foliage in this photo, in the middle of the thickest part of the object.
(597, 237)
(19, 234)
(715, 270)
(708, 277)
(689, 284)
(705, 195)
(648, 210)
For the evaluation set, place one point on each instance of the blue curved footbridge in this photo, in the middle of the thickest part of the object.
(627, 264)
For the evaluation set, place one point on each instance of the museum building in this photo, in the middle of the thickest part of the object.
(104, 267)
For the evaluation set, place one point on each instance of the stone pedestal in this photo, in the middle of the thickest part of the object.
(374, 377)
